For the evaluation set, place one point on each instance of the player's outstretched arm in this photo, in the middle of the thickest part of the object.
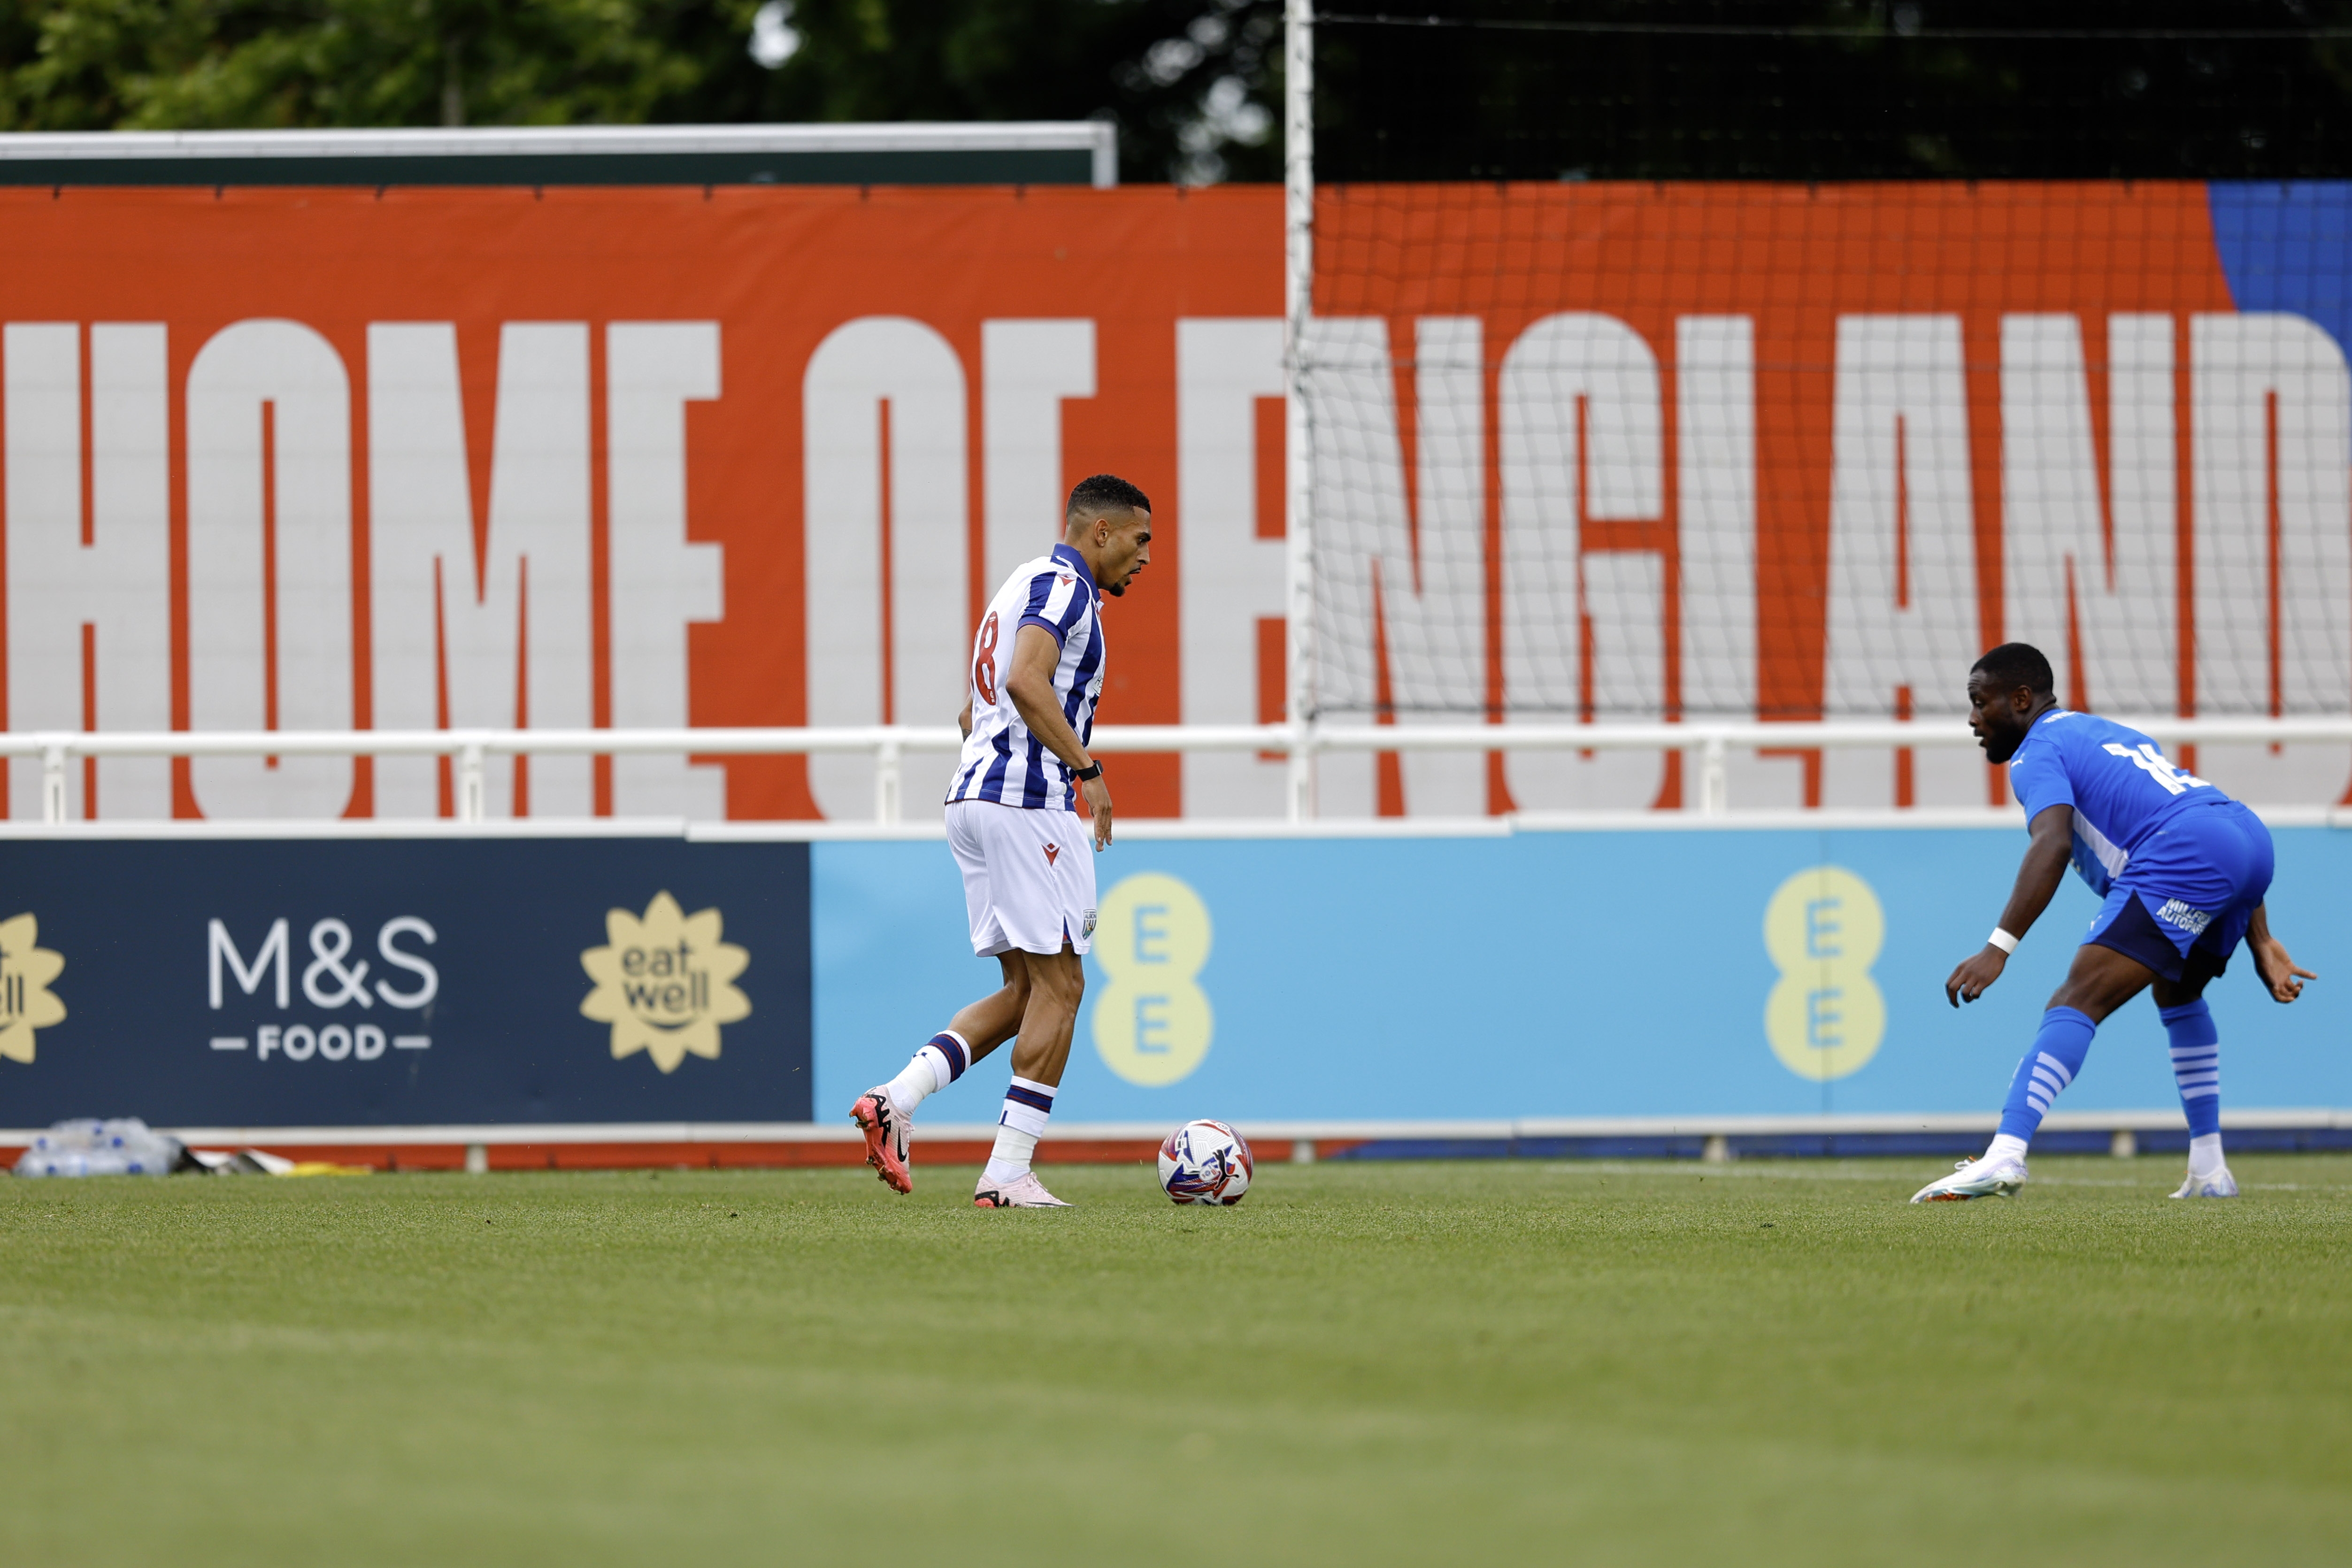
(2281, 975)
(2038, 877)
(1031, 686)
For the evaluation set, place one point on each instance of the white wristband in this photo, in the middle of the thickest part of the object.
(2002, 939)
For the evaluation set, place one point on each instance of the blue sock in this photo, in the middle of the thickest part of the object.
(2196, 1064)
(2048, 1067)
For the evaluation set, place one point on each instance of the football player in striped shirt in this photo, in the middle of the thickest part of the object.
(1012, 810)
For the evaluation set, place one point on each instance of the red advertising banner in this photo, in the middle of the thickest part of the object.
(607, 392)
(323, 458)
(1792, 452)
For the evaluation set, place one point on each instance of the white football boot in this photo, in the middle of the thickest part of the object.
(1986, 1178)
(2214, 1183)
(886, 1137)
(1023, 1191)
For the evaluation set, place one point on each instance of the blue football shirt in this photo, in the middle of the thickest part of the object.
(2115, 778)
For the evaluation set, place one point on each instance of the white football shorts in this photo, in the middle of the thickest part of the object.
(1028, 876)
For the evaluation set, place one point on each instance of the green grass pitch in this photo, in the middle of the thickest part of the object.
(1363, 1365)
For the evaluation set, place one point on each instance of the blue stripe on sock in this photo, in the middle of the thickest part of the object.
(948, 1047)
(2196, 1064)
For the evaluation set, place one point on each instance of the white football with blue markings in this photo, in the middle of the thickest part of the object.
(1205, 1162)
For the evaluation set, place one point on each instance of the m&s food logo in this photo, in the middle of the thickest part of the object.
(665, 982)
(27, 1003)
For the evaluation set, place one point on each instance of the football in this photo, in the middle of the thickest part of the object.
(1205, 1162)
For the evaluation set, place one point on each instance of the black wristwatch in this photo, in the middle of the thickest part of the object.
(1091, 771)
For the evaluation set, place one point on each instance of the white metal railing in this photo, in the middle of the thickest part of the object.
(1712, 740)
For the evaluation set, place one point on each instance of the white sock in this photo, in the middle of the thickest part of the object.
(1027, 1104)
(940, 1063)
(1009, 1161)
(2205, 1155)
(2006, 1145)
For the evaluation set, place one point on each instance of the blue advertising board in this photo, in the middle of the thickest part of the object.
(404, 982)
(1660, 973)
(1683, 971)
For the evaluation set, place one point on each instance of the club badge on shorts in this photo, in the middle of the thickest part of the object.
(1086, 925)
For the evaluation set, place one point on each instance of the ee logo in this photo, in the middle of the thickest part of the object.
(1152, 1023)
(1823, 928)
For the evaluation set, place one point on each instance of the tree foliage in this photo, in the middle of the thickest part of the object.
(1836, 90)
(1536, 88)
(1185, 80)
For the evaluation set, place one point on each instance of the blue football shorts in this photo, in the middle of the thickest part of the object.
(2182, 904)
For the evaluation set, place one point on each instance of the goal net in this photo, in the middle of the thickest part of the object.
(1596, 452)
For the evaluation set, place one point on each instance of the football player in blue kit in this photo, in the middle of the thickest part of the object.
(2182, 868)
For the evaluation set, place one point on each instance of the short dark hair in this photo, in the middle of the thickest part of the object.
(2016, 664)
(1105, 492)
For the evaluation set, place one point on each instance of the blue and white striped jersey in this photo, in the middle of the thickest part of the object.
(1001, 761)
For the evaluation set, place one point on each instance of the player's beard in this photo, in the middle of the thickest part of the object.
(1119, 592)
